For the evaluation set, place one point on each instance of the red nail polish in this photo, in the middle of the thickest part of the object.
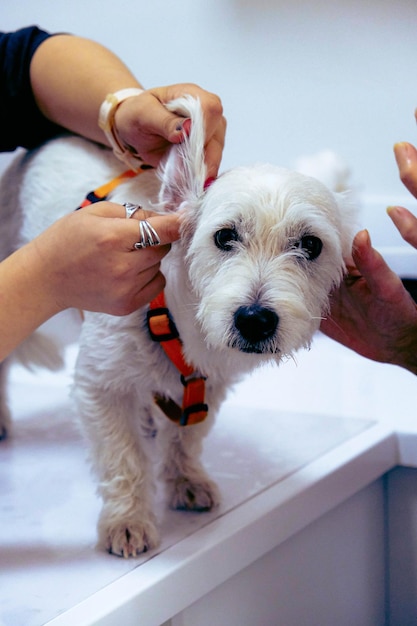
(209, 181)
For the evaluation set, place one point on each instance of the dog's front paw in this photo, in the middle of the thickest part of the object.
(128, 538)
(194, 495)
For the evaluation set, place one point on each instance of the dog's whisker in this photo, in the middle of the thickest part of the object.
(293, 358)
(332, 321)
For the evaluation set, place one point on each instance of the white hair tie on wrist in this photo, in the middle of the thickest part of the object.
(106, 123)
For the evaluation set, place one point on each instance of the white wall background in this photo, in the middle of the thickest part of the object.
(294, 77)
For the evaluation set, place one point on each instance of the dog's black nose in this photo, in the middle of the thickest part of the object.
(256, 323)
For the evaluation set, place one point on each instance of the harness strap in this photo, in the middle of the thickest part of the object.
(163, 330)
(101, 193)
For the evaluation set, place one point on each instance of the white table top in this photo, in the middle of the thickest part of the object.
(289, 444)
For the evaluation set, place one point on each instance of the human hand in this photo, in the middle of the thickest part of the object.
(144, 124)
(88, 261)
(371, 312)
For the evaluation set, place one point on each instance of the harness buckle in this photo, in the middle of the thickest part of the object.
(161, 326)
(194, 409)
(193, 414)
(186, 380)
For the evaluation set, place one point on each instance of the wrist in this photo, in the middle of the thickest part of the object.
(43, 280)
(106, 122)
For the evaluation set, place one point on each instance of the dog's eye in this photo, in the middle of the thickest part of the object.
(225, 237)
(311, 246)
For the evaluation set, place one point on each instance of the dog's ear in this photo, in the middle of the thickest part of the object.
(184, 172)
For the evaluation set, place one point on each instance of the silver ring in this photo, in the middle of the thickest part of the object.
(131, 209)
(148, 236)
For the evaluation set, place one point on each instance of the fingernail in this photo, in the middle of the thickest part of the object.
(209, 181)
(361, 246)
(362, 239)
(402, 154)
(395, 211)
(366, 237)
(184, 126)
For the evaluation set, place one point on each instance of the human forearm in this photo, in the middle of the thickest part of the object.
(71, 77)
(23, 303)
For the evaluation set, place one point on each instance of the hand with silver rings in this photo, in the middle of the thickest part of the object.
(116, 279)
(148, 235)
(86, 260)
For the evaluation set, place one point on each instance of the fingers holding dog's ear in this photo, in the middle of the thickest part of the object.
(144, 123)
(211, 106)
(214, 149)
(214, 121)
(214, 126)
(166, 226)
(128, 231)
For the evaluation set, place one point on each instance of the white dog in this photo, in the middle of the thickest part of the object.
(248, 283)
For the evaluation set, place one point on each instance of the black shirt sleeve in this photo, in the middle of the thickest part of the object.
(21, 122)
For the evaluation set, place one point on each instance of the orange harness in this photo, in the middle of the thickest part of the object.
(102, 192)
(162, 329)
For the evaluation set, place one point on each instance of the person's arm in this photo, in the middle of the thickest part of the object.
(71, 77)
(62, 82)
(103, 272)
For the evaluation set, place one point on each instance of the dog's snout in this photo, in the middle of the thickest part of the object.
(256, 323)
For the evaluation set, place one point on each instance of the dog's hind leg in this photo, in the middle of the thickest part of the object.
(187, 483)
(127, 525)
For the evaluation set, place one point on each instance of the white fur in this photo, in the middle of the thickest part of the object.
(269, 210)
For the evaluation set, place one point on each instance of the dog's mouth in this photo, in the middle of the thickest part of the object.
(254, 330)
(248, 348)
